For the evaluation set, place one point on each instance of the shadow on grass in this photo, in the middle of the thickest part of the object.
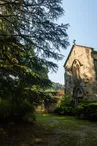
(22, 134)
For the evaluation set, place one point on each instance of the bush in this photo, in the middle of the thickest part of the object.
(22, 109)
(65, 105)
(14, 111)
(29, 117)
(5, 108)
(87, 110)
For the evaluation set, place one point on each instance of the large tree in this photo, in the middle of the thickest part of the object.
(29, 38)
(32, 23)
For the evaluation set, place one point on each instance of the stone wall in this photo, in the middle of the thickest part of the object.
(80, 75)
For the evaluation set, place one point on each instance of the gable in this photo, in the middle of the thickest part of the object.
(77, 52)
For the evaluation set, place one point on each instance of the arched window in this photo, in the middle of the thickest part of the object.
(78, 92)
(76, 70)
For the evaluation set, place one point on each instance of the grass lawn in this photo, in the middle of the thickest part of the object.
(50, 130)
(69, 131)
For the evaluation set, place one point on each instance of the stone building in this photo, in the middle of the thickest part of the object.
(81, 73)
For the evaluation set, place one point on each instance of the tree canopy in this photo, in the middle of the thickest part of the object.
(32, 24)
(29, 38)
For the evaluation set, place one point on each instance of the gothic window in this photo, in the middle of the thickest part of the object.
(76, 70)
(78, 92)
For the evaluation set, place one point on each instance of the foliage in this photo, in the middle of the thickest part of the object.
(13, 111)
(29, 117)
(87, 110)
(84, 110)
(5, 108)
(51, 92)
(49, 98)
(29, 37)
(57, 86)
(32, 28)
(65, 105)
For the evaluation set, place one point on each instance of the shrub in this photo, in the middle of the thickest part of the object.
(5, 108)
(87, 110)
(29, 117)
(14, 111)
(65, 105)
(22, 109)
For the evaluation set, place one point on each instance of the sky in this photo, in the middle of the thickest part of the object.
(82, 18)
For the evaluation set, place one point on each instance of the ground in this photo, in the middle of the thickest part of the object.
(49, 130)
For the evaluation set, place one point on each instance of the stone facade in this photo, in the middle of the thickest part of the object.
(81, 73)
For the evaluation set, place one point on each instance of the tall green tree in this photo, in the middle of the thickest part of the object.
(29, 38)
(32, 23)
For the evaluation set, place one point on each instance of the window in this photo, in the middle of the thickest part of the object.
(76, 70)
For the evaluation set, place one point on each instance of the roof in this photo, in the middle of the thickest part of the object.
(94, 52)
(72, 50)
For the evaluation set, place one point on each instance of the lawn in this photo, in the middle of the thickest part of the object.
(69, 131)
(49, 130)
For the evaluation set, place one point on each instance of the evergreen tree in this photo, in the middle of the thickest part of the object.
(29, 38)
(32, 23)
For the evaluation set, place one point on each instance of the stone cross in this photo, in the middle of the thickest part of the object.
(74, 42)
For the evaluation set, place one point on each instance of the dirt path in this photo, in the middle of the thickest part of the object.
(50, 130)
